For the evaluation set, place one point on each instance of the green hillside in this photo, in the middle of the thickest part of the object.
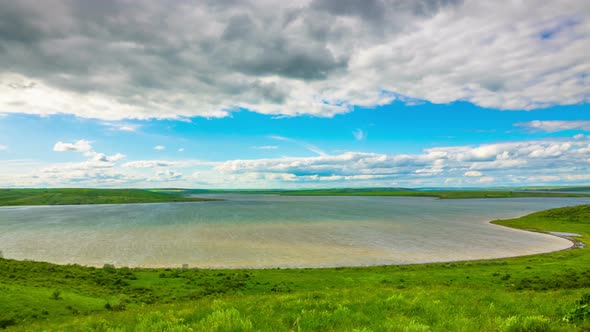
(75, 196)
(535, 293)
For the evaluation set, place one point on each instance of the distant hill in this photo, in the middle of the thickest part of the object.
(447, 193)
(77, 196)
(283, 191)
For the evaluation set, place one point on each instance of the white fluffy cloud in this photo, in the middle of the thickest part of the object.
(504, 163)
(78, 146)
(101, 157)
(534, 162)
(554, 125)
(167, 175)
(3, 147)
(317, 57)
(117, 126)
(149, 164)
(159, 148)
(473, 173)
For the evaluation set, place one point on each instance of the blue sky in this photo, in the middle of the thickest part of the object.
(331, 95)
(199, 145)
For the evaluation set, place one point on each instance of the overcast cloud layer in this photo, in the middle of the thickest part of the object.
(114, 59)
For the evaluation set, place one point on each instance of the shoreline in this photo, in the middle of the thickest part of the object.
(573, 244)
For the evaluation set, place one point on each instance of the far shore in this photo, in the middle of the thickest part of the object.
(84, 196)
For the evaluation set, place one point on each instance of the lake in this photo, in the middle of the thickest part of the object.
(263, 231)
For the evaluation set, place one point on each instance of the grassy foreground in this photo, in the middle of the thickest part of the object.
(533, 293)
(74, 196)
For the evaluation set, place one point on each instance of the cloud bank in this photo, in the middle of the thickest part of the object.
(118, 59)
(534, 162)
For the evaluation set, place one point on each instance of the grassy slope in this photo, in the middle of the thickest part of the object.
(283, 191)
(558, 188)
(443, 194)
(452, 194)
(515, 294)
(14, 197)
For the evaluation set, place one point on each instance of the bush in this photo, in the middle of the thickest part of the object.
(580, 312)
(118, 304)
(109, 267)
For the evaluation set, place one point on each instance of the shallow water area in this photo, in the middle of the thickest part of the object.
(263, 231)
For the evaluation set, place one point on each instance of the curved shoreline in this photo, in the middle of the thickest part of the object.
(572, 244)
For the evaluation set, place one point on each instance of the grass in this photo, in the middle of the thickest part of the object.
(531, 293)
(75, 196)
(394, 191)
(450, 194)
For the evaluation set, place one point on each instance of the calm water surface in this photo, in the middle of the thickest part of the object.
(276, 231)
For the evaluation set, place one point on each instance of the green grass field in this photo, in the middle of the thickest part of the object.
(533, 293)
(74, 196)
(394, 191)
(450, 194)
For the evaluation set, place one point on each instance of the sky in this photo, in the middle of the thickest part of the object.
(294, 94)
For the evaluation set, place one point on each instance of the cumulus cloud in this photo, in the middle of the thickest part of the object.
(149, 163)
(166, 163)
(159, 148)
(486, 179)
(122, 126)
(99, 177)
(509, 163)
(167, 175)
(554, 126)
(101, 157)
(531, 162)
(96, 161)
(3, 147)
(473, 174)
(117, 59)
(99, 169)
(181, 150)
(78, 146)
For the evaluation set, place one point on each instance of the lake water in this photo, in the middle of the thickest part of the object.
(276, 231)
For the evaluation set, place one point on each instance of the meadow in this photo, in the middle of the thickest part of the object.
(547, 292)
(77, 196)
(393, 191)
